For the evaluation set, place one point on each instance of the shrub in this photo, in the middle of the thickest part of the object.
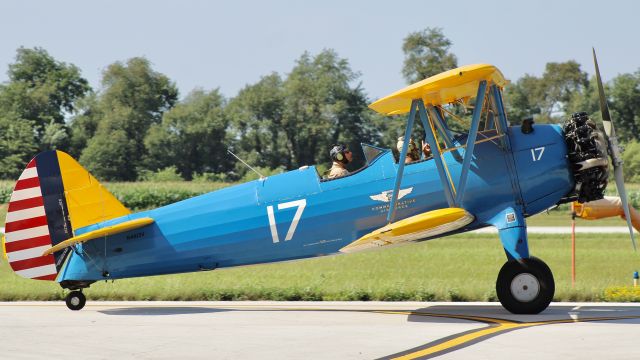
(211, 177)
(631, 158)
(396, 295)
(622, 294)
(355, 295)
(6, 188)
(454, 295)
(424, 295)
(152, 198)
(145, 195)
(167, 174)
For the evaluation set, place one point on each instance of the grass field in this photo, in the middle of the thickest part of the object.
(458, 268)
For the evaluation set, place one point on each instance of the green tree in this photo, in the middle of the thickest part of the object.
(631, 158)
(625, 105)
(109, 157)
(55, 136)
(523, 97)
(256, 118)
(133, 97)
(295, 121)
(17, 145)
(84, 125)
(191, 136)
(586, 100)
(322, 108)
(560, 84)
(43, 91)
(426, 53)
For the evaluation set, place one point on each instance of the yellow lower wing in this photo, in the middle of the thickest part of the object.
(107, 230)
(417, 227)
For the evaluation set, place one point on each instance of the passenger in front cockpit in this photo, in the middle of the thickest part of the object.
(413, 154)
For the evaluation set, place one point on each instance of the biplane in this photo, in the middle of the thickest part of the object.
(62, 225)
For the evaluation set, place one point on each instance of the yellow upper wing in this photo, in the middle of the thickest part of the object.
(441, 89)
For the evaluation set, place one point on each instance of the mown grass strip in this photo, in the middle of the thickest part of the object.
(458, 268)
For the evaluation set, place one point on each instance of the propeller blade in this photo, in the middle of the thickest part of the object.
(625, 204)
(604, 108)
(614, 149)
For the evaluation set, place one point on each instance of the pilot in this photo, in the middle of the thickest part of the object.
(341, 156)
(413, 154)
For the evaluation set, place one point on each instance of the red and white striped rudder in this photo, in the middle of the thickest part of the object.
(27, 230)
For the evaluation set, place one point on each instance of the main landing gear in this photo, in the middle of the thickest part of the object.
(75, 300)
(525, 286)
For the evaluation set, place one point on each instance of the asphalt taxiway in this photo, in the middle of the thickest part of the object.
(317, 330)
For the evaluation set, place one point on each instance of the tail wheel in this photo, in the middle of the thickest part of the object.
(525, 286)
(75, 300)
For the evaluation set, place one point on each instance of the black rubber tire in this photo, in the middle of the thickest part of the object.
(531, 266)
(75, 300)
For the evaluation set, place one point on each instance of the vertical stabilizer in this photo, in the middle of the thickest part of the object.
(53, 196)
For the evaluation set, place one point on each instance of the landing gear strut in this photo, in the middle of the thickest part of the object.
(525, 286)
(75, 300)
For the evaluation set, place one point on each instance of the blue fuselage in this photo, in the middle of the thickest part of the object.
(297, 214)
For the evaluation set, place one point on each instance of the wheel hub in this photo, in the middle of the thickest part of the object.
(525, 287)
(75, 301)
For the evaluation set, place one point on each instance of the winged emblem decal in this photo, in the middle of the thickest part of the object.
(385, 196)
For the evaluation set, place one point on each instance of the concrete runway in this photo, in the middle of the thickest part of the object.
(316, 330)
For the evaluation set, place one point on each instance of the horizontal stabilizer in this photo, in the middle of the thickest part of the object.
(414, 228)
(99, 233)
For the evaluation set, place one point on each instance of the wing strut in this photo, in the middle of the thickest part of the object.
(418, 105)
(445, 177)
(454, 194)
(407, 133)
(439, 121)
(471, 141)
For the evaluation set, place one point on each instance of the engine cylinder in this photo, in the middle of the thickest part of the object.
(587, 153)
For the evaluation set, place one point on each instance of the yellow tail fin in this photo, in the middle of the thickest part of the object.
(88, 201)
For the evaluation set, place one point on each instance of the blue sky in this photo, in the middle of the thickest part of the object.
(229, 44)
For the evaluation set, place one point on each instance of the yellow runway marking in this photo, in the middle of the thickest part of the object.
(496, 326)
(458, 341)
